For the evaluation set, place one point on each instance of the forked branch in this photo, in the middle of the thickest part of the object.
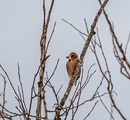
(63, 100)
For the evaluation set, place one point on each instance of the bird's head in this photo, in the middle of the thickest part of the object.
(72, 57)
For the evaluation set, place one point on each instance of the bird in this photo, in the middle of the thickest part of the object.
(71, 65)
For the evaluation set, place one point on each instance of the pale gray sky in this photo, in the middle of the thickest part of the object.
(20, 33)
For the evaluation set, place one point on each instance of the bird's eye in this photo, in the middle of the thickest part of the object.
(72, 55)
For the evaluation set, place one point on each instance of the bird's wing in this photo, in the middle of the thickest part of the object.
(69, 71)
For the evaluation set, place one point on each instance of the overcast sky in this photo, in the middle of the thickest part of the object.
(20, 33)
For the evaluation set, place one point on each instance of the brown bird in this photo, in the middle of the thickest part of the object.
(71, 65)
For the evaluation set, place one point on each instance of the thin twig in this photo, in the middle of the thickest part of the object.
(23, 99)
(106, 107)
(127, 43)
(75, 27)
(91, 111)
(50, 37)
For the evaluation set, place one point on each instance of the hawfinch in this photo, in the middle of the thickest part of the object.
(71, 65)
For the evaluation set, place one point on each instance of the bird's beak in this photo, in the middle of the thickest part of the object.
(68, 57)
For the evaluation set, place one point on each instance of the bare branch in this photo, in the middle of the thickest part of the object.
(63, 100)
(44, 11)
(75, 27)
(9, 81)
(43, 56)
(2, 112)
(118, 45)
(50, 37)
(106, 107)
(91, 111)
(86, 25)
(127, 43)
(49, 14)
(32, 89)
(108, 79)
(23, 99)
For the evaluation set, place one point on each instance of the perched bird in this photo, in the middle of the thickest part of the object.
(71, 65)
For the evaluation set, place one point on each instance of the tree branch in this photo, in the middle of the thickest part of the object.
(63, 100)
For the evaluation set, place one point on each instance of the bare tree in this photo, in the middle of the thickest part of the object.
(59, 110)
